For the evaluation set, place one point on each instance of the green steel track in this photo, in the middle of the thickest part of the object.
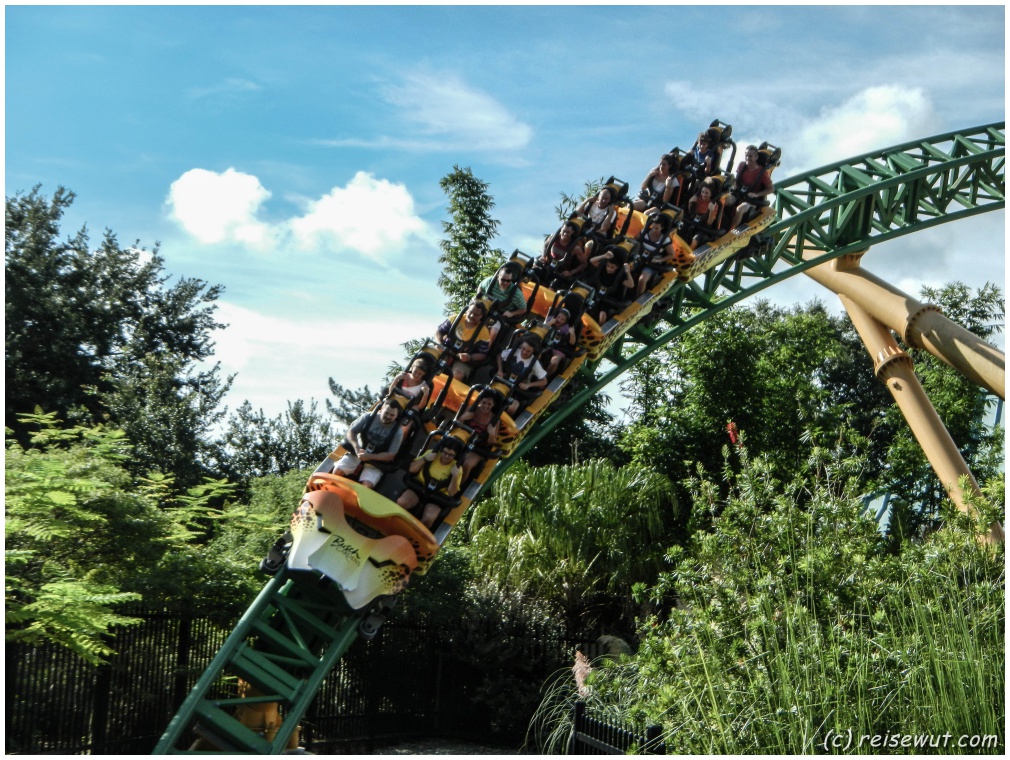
(294, 633)
(823, 214)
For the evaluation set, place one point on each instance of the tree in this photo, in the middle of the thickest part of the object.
(587, 433)
(350, 404)
(760, 368)
(99, 336)
(82, 537)
(575, 538)
(789, 621)
(467, 256)
(254, 446)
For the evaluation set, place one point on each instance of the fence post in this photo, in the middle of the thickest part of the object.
(578, 716)
(100, 712)
(654, 744)
(181, 686)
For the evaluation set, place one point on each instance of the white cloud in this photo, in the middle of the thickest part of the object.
(444, 106)
(441, 112)
(697, 102)
(369, 216)
(373, 216)
(281, 359)
(874, 118)
(230, 87)
(214, 207)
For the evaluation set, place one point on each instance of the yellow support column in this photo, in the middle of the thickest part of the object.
(920, 325)
(894, 367)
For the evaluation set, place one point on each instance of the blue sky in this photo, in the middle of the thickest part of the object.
(293, 154)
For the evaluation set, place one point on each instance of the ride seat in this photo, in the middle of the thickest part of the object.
(379, 513)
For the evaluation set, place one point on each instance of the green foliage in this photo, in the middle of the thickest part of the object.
(76, 614)
(299, 438)
(98, 335)
(797, 378)
(246, 531)
(790, 618)
(576, 538)
(583, 435)
(761, 368)
(467, 256)
(82, 537)
(350, 404)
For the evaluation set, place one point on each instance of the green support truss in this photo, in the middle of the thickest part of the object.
(294, 633)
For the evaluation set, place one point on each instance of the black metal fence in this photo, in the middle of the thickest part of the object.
(596, 737)
(459, 681)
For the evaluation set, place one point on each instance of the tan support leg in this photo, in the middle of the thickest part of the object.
(920, 325)
(894, 367)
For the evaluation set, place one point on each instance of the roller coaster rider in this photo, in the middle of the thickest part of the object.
(602, 214)
(563, 255)
(658, 186)
(563, 340)
(753, 186)
(439, 472)
(614, 280)
(466, 339)
(504, 290)
(373, 437)
(483, 418)
(658, 254)
(517, 366)
(702, 211)
(705, 154)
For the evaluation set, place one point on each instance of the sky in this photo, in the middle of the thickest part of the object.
(293, 154)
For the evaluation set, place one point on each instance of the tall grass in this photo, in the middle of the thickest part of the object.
(794, 625)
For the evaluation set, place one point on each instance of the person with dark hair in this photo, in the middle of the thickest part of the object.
(438, 469)
(520, 365)
(602, 214)
(658, 185)
(563, 255)
(752, 188)
(373, 437)
(481, 417)
(413, 383)
(658, 253)
(468, 342)
(702, 211)
(705, 154)
(563, 339)
(503, 288)
(614, 280)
